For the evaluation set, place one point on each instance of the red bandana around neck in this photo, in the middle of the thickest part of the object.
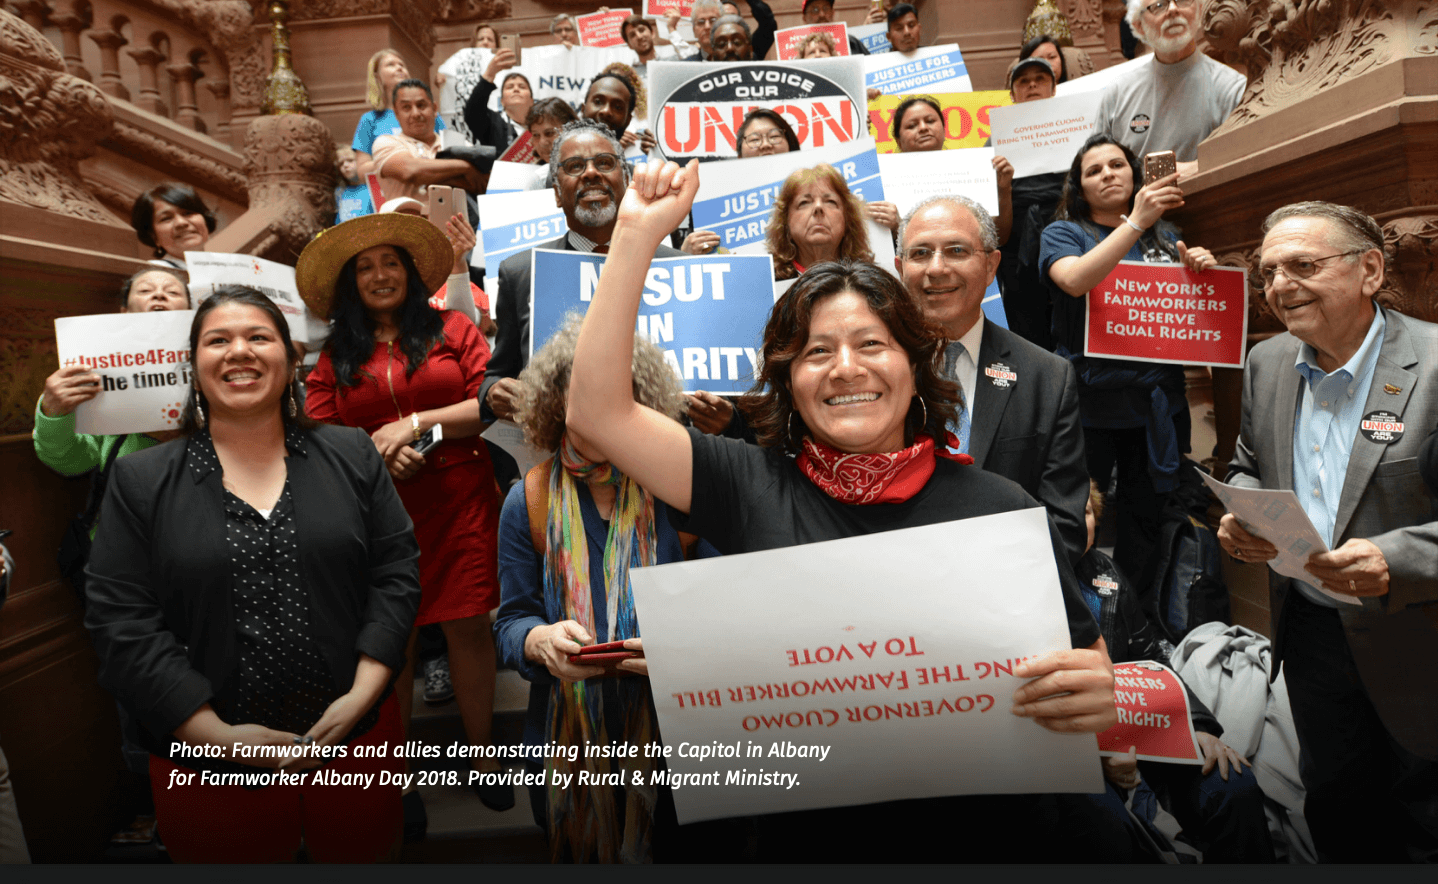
(886, 477)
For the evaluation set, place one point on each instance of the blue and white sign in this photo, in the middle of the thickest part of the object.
(707, 313)
(736, 197)
(993, 305)
(513, 222)
(516, 177)
(928, 69)
(874, 37)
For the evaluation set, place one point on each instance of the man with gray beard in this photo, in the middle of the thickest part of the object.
(589, 177)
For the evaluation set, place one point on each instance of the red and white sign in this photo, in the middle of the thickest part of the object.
(660, 8)
(1167, 313)
(1153, 715)
(602, 28)
(143, 360)
(787, 41)
(520, 151)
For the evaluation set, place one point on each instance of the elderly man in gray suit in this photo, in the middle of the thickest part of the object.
(1020, 415)
(1336, 410)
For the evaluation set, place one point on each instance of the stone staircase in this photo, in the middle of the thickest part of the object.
(461, 829)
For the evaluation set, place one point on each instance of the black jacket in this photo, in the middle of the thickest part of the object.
(487, 126)
(160, 608)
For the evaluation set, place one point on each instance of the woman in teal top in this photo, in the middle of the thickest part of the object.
(57, 444)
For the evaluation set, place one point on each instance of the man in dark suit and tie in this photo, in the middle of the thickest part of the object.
(1021, 414)
(589, 177)
(1336, 410)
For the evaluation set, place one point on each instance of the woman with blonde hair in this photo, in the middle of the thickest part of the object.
(816, 218)
(386, 69)
(817, 45)
(568, 536)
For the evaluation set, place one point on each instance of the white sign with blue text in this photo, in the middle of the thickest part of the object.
(706, 313)
(930, 69)
(512, 222)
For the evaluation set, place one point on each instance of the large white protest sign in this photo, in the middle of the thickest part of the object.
(143, 360)
(1098, 81)
(911, 178)
(736, 197)
(516, 177)
(892, 651)
(1043, 136)
(695, 110)
(564, 72)
(210, 270)
(927, 69)
(706, 313)
(512, 222)
(874, 37)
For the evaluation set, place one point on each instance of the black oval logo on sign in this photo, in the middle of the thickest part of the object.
(701, 118)
(1382, 427)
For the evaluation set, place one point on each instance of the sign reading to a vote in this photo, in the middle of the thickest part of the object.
(706, 313)
(143, 360)
(696, 110)
(1167, 313)
(1153, 715)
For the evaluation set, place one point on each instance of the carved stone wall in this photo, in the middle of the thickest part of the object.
(50, 120)
(289, 161)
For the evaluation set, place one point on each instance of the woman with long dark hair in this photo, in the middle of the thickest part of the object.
(250, 590)
(1135, 414)
(399, 369)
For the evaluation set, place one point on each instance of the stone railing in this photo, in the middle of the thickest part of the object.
(190, 61)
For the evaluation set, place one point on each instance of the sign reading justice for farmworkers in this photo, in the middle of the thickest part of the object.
(706, 313)
(512, 222)
(966, 118)
(1167, 313)
(696, 110)
(927, 69)
(912, 696)
(874, 37)
(143, 360)
(1153, 715)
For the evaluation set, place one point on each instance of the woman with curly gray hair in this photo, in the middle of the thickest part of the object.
(567, 539)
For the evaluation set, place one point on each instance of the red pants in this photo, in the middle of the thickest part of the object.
(336, 824)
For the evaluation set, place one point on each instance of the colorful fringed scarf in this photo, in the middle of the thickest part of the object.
(585, 822)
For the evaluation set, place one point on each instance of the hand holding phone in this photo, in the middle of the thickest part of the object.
(1158, 165)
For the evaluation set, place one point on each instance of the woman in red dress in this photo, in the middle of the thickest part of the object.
(397, 367)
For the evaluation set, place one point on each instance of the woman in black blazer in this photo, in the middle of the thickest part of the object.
(250, 593)
(500, 128)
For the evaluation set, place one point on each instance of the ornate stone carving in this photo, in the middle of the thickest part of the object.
(154, 151)
(289, 161)
(110, 42)
(50, 120)
(1047, 19)
(1085, 16)
(27, 357)
(414, 17)
(228, 25)
(1411, 285)
(475, 10)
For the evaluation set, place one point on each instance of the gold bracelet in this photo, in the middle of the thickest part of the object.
(414, 421)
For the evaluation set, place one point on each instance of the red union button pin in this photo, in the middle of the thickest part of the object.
(1382, 427)
(1000, 375)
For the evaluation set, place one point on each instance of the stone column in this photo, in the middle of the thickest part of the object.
(187, 112)
(32, 12)
(221, 90)
(71, 25)
(110, 42)
(149, 58)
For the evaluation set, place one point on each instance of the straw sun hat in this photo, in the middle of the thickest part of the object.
(319, 266)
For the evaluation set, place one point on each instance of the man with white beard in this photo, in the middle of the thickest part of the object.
(589, 177)
(1179, 97)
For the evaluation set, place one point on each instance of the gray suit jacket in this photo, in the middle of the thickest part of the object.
(1392, 637)
(511, 314)
(1028, 430)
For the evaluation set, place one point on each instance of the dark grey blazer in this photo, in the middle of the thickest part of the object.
(1028, 429)
(511, 314)
(1384, 500)
(158, 583)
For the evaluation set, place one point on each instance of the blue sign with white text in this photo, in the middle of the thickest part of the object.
(706, 313)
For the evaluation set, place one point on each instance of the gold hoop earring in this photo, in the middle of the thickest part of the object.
(924, 421)
(199, 412)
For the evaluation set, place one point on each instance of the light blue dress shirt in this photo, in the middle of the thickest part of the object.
(1324, 429)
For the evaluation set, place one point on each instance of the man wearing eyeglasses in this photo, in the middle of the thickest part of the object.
(589, 177)
(1336, 410)
(1020, 415)
(1177, 99)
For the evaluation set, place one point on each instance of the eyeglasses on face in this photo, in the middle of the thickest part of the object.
(951, 254)
(1295, 268)
(604, 163)
(757, 140)
(1161, 5)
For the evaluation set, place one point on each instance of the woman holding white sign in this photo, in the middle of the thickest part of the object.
(851, 386)
(400, 369)
(1135, 414)
(249, 594)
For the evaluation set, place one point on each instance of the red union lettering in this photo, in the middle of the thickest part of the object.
(1388, 426)
(842, 129)
(715, 126)
(692, 132)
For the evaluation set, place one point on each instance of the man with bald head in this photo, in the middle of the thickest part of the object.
(1020, 416)
(1336, 410)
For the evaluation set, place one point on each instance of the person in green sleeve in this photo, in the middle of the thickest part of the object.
(57, 444)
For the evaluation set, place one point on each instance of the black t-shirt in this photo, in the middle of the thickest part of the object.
(745, 499)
